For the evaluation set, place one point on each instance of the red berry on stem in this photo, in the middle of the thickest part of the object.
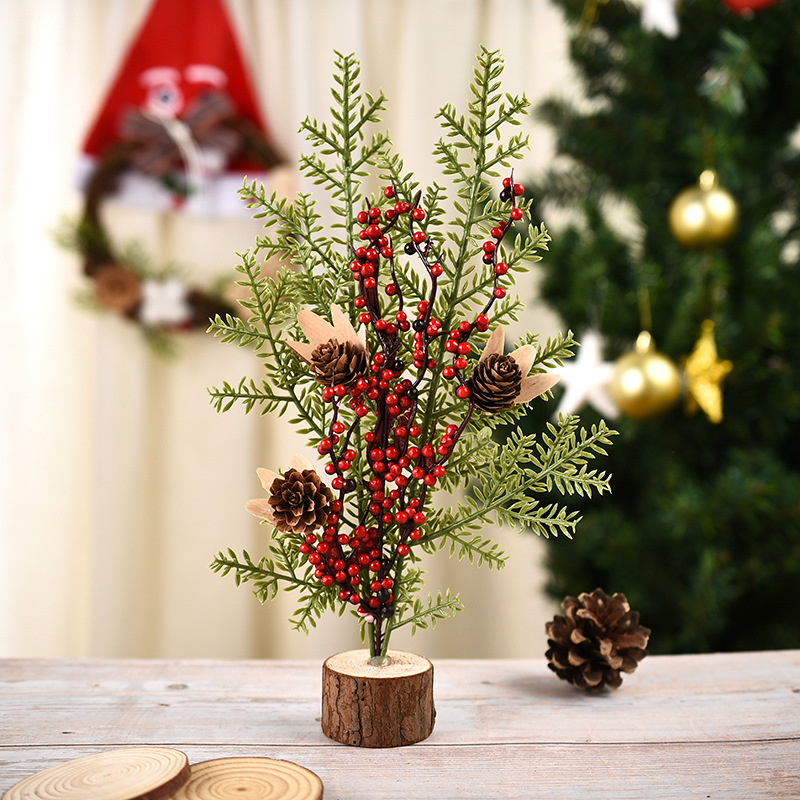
(499, 292)
(516, 213)
(418, 214)
(403, 549)
(462, 392)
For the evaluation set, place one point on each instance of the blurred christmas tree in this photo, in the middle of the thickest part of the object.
(702, 531)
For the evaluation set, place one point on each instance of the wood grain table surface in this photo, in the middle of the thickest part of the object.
(721, 726)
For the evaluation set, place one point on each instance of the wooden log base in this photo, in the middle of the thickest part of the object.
(135, 773)
(250, 778)
(364, 705)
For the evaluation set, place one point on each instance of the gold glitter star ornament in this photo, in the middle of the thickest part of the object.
(704, 372)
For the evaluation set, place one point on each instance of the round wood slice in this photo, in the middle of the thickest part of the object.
(250, 778)
(377, 706)
(135, 773)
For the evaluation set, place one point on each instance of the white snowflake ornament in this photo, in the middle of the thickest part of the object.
(165, 303)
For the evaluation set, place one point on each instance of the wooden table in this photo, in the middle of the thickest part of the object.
(708, 726)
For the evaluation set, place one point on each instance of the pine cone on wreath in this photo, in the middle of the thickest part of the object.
(299, 501)
(598, 638)
(495, 383)
(335, 364)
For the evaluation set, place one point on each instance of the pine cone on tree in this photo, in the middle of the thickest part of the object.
(495, 383)
(299, 501)
(335, 353)
(598, 638)
(501, 381)
(335, 364)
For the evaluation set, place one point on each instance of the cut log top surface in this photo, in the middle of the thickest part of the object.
(705, 726)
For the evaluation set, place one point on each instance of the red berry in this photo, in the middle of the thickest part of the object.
(464, 348)
(436, 270)
(403, 549)
(482, 322)
(501, 268)
(499, 291)
(518, 189)
(506, 182)
(362, 217)
(430, 480)
(374, 212)
(462, 392)
(373, 231)
(369, 283)
(388, 192)
(414, 431)
(449, 372)
(418, 214)
(418, 237)
(497, 232)
(516, 213)
(489, 247)
(460, 363)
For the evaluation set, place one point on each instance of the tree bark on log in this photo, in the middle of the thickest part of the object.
(365, 705)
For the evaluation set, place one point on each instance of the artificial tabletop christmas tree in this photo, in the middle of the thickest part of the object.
(681, 173)
(384, 342)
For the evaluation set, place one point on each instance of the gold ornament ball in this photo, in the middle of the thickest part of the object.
(645, 382)
(704, 215)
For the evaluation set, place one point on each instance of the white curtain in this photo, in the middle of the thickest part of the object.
(118, 482)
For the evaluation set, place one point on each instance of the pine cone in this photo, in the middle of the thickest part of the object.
(597, 639)
(495, 383)
(299, 501)
(337, 364)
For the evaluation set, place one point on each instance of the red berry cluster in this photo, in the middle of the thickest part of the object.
(403, 464)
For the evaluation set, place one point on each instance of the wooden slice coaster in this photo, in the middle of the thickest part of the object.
(135, 773)
(377, 706)
(250, 778)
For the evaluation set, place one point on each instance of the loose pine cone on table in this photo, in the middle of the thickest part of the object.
(598, 638)
(299, 501)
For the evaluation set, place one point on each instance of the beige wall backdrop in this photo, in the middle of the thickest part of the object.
(118, 481)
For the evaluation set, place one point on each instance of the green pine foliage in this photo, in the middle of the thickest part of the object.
(348, 154)
(702, 531)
